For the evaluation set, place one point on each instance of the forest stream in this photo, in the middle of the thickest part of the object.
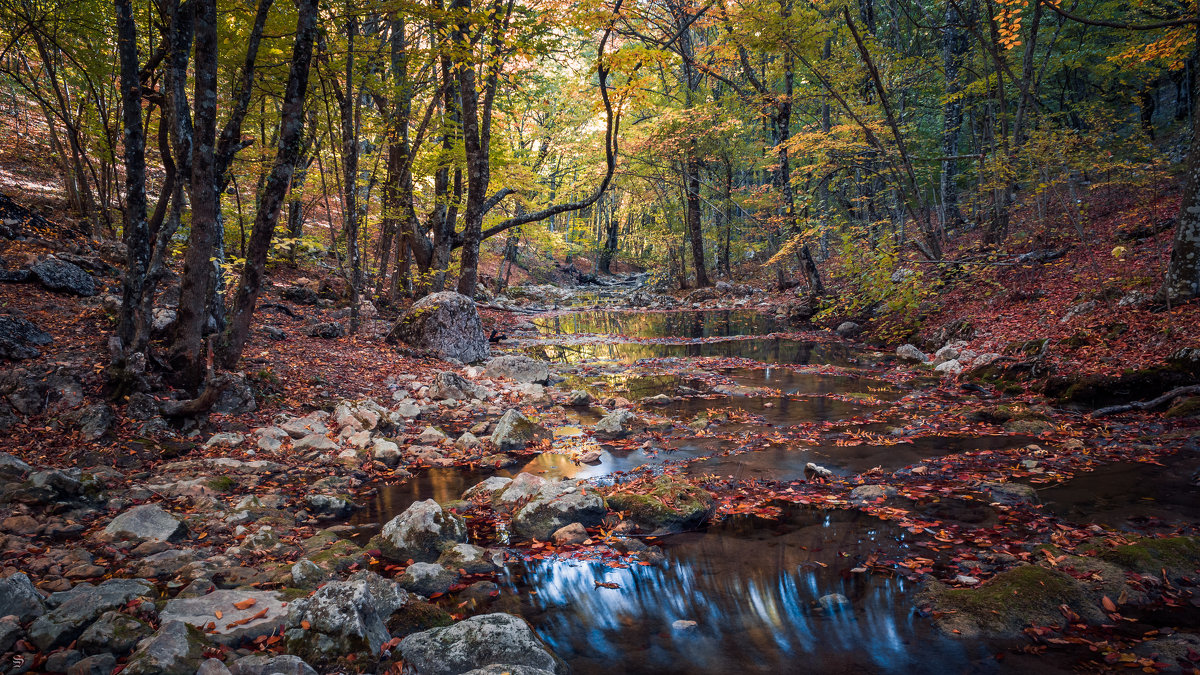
(752, 593)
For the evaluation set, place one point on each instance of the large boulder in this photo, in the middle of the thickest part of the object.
(558, 504)
(260, 618)
(427, 579)
(114, 632)
(618, 424)
(344, 618)
(148, 521)
(176, 649)
(19, 598)
(269, 664)
(76, 609)
(421, 533)
(479, 642)
(519, 369)
(13, 467)
(446, 324)
(64, 277)
(667, 505)
(20, 339)
(1009, 602)
(514, 431)
(448, 385)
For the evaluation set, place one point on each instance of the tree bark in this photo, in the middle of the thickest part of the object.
(275, 190)
(136, 235)
(199, 273)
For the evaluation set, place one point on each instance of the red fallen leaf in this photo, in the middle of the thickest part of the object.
(606, 584)
(219, 614)
(1108, 605)
(305, 624)
(245, 604)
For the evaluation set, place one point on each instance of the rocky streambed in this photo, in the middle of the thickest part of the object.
(622, 491)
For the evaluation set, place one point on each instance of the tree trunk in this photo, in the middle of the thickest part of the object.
(275, 190)
(1182, 280)
(954, 48)
(136, 234)
(198, 283)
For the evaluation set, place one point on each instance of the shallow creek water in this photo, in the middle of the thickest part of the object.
(752, 585)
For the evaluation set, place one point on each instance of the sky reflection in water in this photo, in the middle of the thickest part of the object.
(752, 586)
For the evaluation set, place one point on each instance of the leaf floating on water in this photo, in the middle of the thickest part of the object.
(606, 584)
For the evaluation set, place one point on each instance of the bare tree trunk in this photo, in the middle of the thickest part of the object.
(275, 190)
(1182, 280)
(137, 235)
(199, 276)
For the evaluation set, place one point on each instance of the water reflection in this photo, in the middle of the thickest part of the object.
(686, 324)
(753, 588)
(765, 350)
(1129, 494)
(786, 462)
(775, 410)
(790, 381)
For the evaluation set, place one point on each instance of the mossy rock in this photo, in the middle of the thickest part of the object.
(1096, 391)
(1179, 556)
(669, 506)
(416, 616)
(338, 556)
(1189, 407)
(1009, 602)
(222, 483)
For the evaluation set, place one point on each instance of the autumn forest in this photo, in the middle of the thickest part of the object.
(642, 336)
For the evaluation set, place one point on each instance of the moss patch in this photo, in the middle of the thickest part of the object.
(222, 483)
(1009, 602)
(417, 616)
(1179, 556)
(669, 506)
(1189, 407)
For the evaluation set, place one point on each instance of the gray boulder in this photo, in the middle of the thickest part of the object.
(100, 664)
(76, 609)
(114, 632)
(446, 324)
(20, 339)
(518, 368)
(176, 649)
(514, 431)
(448, 385)
(508, 669)
(468, 558)
(10, 632)
(478, 642)
(344, 618)
(618, 424)
(421, 532)
(492, 487)
(911, 353)
(556, 505)
(525, 485)
(200, 611)
(19, 598)
(427, 579)
(848, 329)
(64, 277)
(148, 521)
(11, 467)
(266, 664)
